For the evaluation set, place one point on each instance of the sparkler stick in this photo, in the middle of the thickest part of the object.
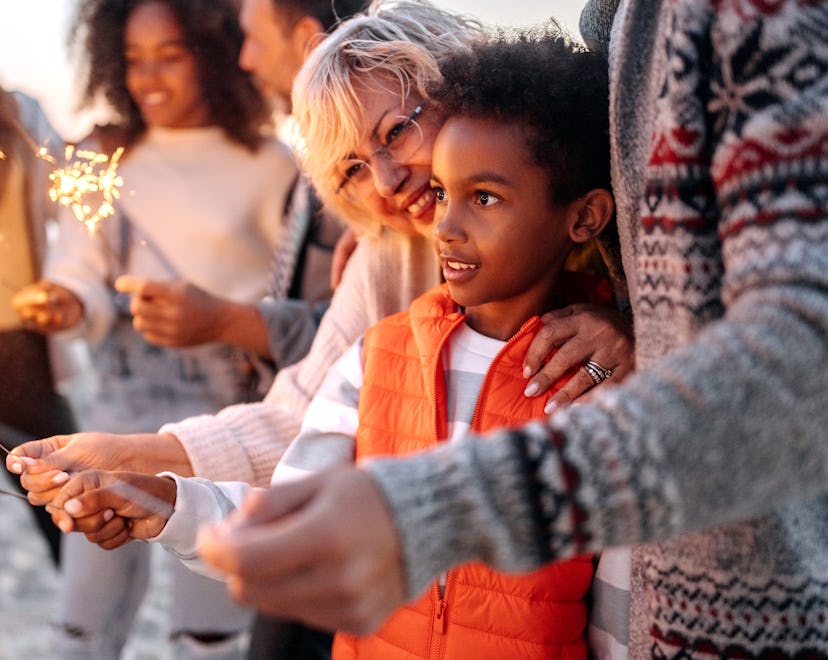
(40, 152)
(3, 491)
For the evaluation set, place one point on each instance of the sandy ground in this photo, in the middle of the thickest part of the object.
(29, 588)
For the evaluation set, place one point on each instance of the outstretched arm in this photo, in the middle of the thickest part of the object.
(45, 465)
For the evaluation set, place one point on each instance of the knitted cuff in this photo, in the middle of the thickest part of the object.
(208, 443)
(460, 502)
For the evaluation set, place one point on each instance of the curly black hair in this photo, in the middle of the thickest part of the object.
(213, 35)
(542, 80)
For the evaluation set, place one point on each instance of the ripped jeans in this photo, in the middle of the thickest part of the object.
(103, 591)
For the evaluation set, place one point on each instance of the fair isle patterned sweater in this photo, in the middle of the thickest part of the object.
(720, 165)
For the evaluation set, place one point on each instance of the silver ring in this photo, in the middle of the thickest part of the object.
(597, 372)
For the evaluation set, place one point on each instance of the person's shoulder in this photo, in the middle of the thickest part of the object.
(397, 325)
(273, 150)
(33, 118)
(25, 103)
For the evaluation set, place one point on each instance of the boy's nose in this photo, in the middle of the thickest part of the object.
(446, 229)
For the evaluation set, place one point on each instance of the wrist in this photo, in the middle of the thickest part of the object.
(151, 453)
(242, 325)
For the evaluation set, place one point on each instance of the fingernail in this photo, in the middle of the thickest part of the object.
(550, 407)
(65, 526)
(531, 389)
(60, 478)
(72, 507)
(18, 466)
(527, 371)
(108, 515)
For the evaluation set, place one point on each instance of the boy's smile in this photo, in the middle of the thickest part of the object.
(500, 240)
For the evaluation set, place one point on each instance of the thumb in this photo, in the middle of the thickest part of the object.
(266, 505)
(37, 456)
(140, 286)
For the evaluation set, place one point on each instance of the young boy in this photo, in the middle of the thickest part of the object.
(521, 177)
(520, 171)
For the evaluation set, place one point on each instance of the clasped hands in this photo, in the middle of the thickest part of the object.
(97, 483)
(111, 507)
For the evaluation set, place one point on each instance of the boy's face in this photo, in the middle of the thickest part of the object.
(500, 240)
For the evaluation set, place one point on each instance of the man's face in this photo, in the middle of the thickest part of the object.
(271, 51)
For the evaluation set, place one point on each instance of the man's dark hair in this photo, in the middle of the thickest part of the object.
(541, 80)
(328, 12)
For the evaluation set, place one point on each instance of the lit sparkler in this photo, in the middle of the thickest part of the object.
(89, 184)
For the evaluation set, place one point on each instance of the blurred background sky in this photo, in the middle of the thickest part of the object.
(33, 52)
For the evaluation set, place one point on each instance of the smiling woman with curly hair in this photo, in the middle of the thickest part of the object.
(210, 32)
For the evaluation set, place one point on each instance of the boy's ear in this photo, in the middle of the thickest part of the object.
(593, 211)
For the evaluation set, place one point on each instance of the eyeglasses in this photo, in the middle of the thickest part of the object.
(400, 142)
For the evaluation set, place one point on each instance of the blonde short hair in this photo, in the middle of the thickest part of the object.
(402, 40)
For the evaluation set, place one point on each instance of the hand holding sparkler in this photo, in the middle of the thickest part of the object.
(45, 465)
(177, 313)
(290, 552)
(113, 508)
(47, 307)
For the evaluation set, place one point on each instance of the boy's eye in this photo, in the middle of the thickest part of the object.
(439, 193)
(486, 199)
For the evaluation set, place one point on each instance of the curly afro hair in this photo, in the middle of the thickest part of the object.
(541, 80)
(211, 32)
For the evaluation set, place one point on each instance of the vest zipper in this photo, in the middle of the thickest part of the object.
(484, 386)
(439, 623)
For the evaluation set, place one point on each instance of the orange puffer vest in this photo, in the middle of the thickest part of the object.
(481, 614)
